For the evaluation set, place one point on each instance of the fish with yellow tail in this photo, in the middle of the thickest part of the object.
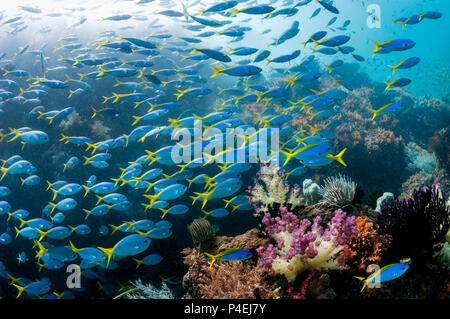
(391, 107)
(387, 273)
(230, 254)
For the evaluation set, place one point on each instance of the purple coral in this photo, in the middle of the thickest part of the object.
(301, 244)
(416, 224)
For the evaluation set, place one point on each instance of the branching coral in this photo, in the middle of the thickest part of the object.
(338, 191)
(363, 248)
(148, 291)
(416, 224)
(234, 280)
(302, 245)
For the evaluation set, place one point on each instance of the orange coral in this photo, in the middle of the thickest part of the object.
(363, 248)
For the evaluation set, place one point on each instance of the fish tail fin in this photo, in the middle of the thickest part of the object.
(365, 282)
(394, 68)
(106, 98)
(138, 262)
(190, 182)
(213, 259)
(234, 207)
(74, 249)
(117, 97)
(103, 71)
(53, 205)
(68, 78)
(95, 112)
(235, 11)
(86, 160)
(70, 94)
(99, 199)
(180, 94)
(377, 47)
(108, 252)
(316, 43)
(217, 70)
(317, 92)
(206, 214)
(88, 212)
(22, 180)
(87, 189)
(388, 85)
(21, 290)
(17, 134)
(338, 157)
(2, 137)
(136, 120)
(204, 196)
(291, 80)
(164, 212)
(43, 233)
(375, 113)
(114, 228)
(209, 181)
(288, 156)
(227, 202)
(17, 231)
(335, 81)
(117, 83)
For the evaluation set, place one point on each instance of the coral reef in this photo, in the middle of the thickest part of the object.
(302, 245)
(314, 251)
(338, 191)
(416, 224)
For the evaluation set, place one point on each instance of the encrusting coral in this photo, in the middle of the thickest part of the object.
(301, 245)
